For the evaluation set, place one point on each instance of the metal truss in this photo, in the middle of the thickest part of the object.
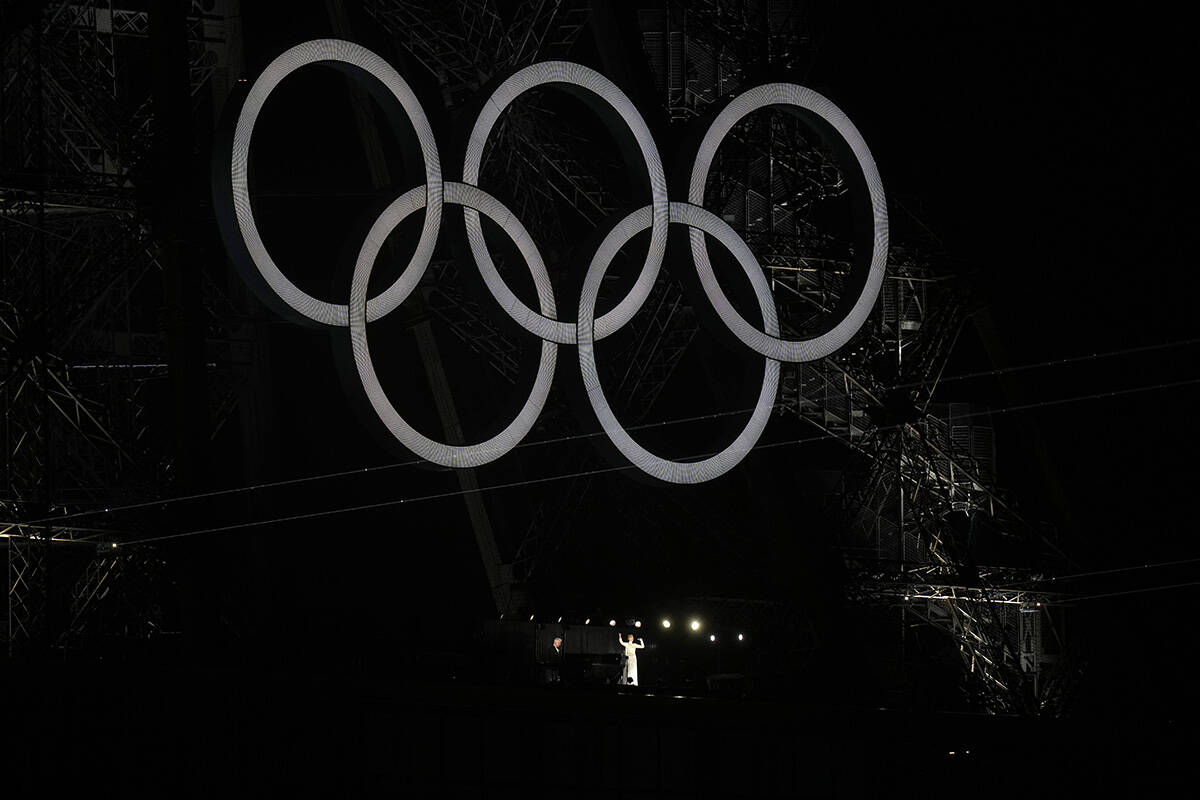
(116, 595)
(923, 463)
(903, 544)
(881, 579)
(25, 584)
(79, 356)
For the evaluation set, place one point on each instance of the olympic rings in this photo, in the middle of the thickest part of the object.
(604, 96)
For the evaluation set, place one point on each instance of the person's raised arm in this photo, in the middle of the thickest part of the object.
(640, 645)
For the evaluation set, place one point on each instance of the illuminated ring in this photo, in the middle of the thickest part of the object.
(675, 471)
(766, 344)
(335, 51)
(577, 76)
(448, 455)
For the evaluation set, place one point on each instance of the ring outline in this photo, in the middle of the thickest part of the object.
(791, 350)
(335, 52)
(685, 472)
(575, 76)
(447, 455)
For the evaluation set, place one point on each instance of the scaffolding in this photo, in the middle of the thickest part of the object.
(82, 352)
(927, 470)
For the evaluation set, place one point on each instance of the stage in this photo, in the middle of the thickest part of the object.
(250, 730)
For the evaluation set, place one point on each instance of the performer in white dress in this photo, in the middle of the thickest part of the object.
(629, 675)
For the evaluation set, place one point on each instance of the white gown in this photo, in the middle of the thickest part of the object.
(629, 676)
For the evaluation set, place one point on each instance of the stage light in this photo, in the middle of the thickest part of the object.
(741, 637)
(695, 624)
(906, 597)
(666, 623)
(612, 623)
(637, 623)
(560, 619)
(712, 637)
(587, 621)
(531, 617)
(1039, 605)
(115, 547)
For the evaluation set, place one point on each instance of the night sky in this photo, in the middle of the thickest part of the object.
(1051, 154)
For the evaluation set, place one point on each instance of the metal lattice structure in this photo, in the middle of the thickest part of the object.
(81, 356)
(923, 465)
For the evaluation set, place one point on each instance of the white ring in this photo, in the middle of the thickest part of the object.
(790, 94)
(640, 457)
(444, 454)
(336, 51)
(593, 82)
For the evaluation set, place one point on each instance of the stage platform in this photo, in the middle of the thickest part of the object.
(244, 730)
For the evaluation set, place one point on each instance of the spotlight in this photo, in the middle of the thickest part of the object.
(906, 597)
(637, 623)
(115, 547)
(587, 621)
(666, 623)
(560, 619)
(695, 624)
(740, 637)
(712, 637)
(1039, 605)
(531, 617)
(612, 623)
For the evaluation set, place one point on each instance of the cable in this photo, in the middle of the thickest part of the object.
(587, 473)
(358, 471)
(1102, 572)
(645, 426)
(1053, 363)
(1137, 591)
(562, 439)
(372, 506)
(1065, 400)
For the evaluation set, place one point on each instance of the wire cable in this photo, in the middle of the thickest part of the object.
(356, 471)
(1136, 591)
(1053, 363)
(1113, 571)
(645, 426)
(587, 473)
